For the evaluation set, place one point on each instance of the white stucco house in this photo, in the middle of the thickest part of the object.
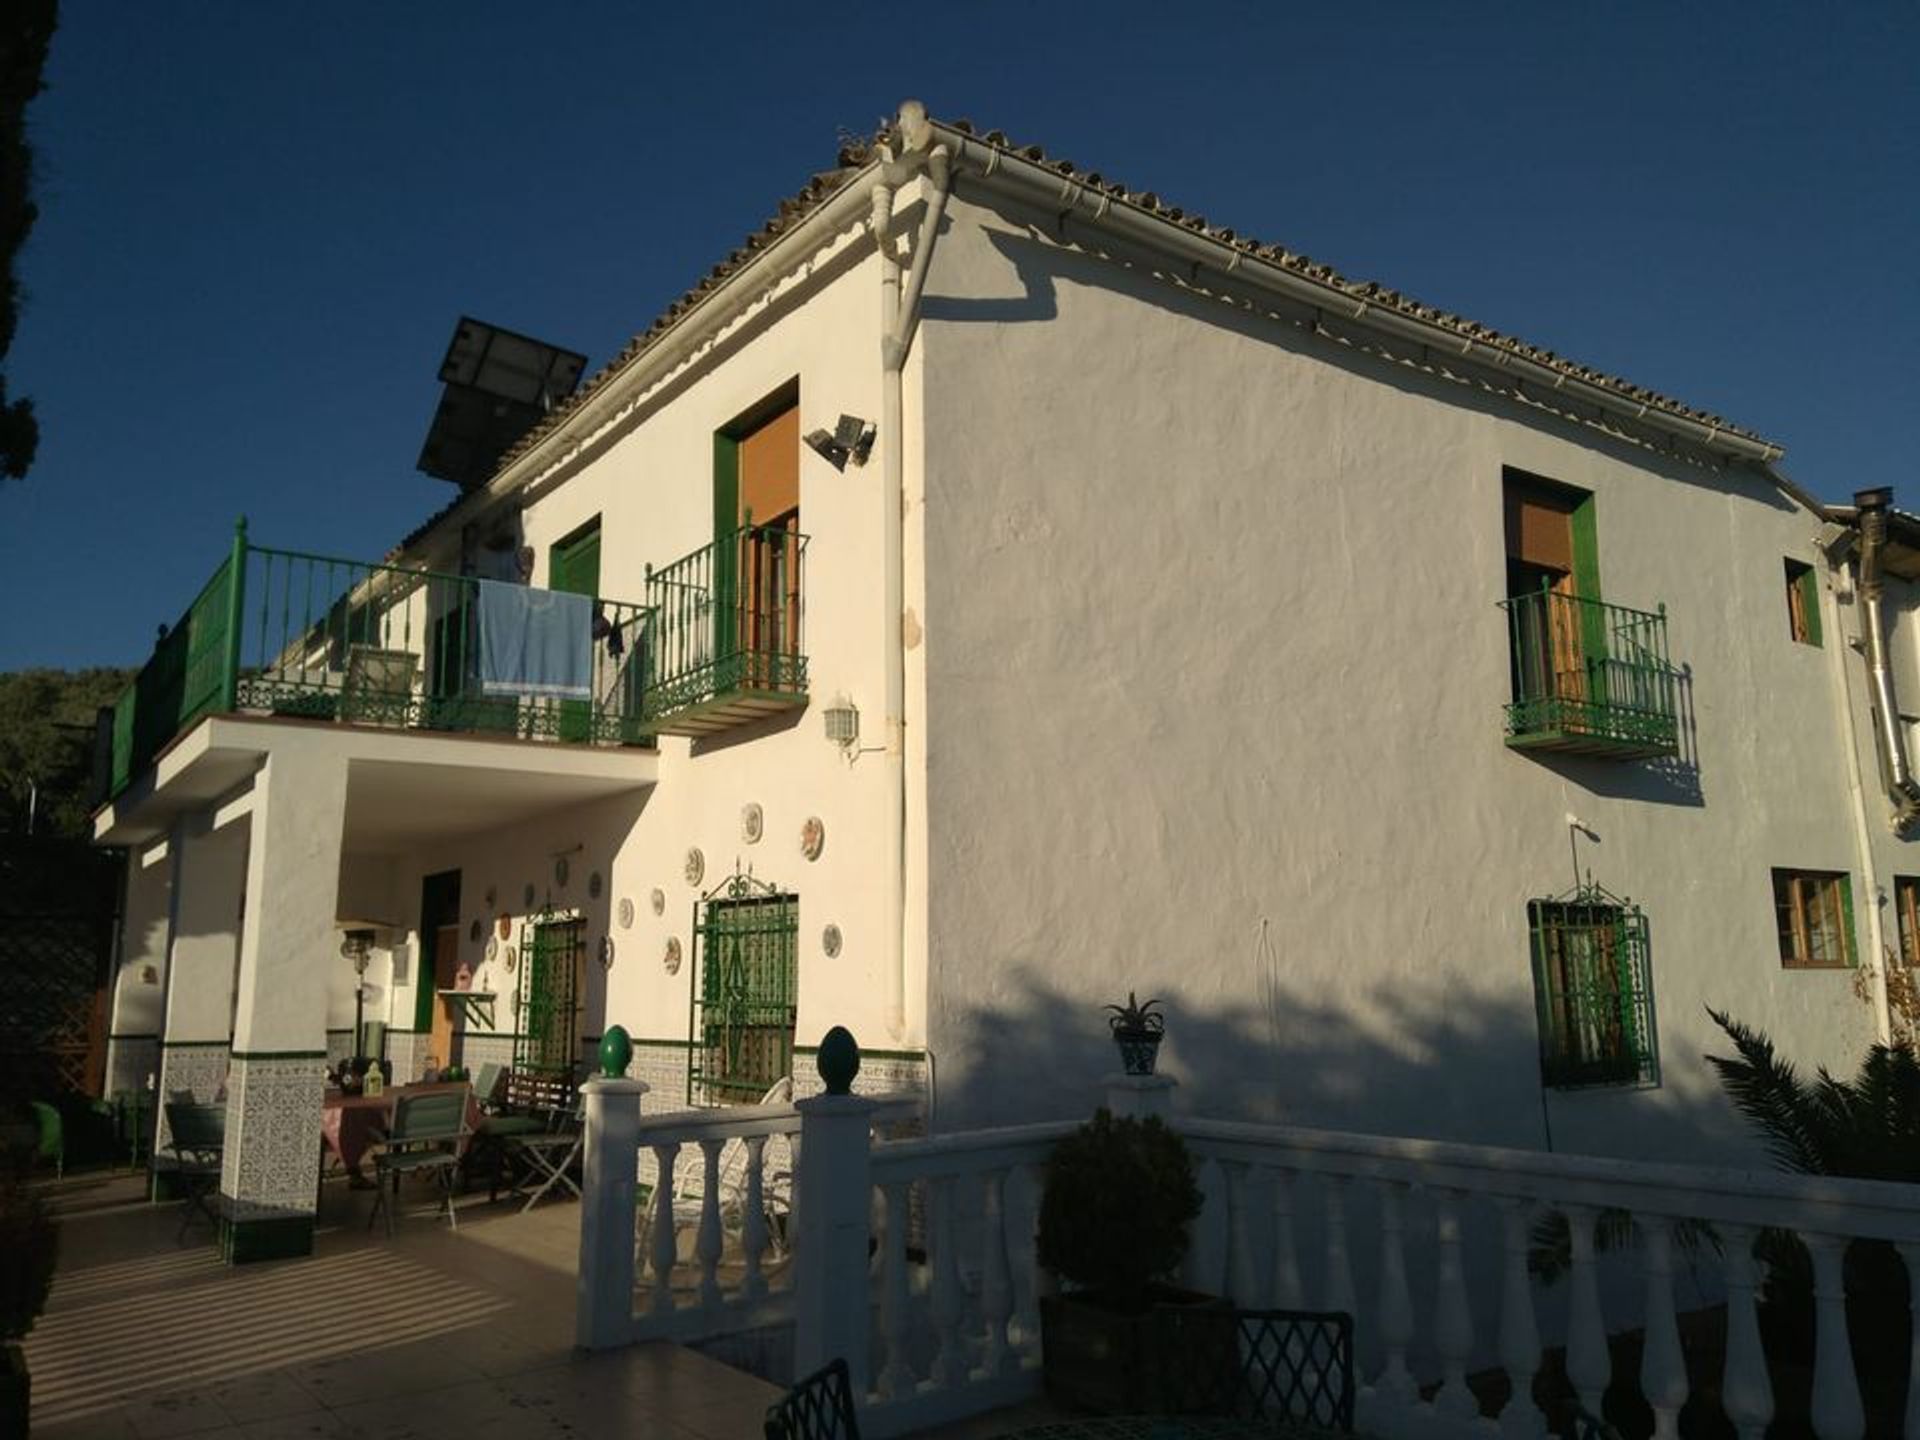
(1437, 726)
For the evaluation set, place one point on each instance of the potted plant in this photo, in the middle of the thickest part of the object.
(1137, 1030)
(1116, 1202)
(28, 1238)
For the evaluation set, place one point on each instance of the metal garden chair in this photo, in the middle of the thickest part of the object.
(197, 1136)
(1293, 1367)
(425, 1139)
(820, 1407)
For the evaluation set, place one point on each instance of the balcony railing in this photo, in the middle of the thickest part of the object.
(728, 636)
(1590, 678)
(279, 632)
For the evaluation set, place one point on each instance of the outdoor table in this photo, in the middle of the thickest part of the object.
(350, 1125)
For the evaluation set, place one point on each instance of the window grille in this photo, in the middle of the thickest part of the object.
(1593, 986)
(547, 1043)
(744, 993)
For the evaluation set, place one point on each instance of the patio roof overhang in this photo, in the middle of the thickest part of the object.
(403, 787)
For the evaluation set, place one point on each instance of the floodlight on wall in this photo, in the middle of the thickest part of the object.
(852, 439)
(843, 723)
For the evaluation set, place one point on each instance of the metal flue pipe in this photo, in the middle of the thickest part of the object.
(1896, 773)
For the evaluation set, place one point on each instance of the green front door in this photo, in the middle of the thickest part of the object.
(573, 568)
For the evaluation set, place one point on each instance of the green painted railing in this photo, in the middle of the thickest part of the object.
(1590, 677)
(281, 632)
(729, 621)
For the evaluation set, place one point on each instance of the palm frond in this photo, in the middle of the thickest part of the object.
(1766, 1090)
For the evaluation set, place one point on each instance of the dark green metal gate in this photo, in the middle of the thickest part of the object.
(746, 966)
(554, 954)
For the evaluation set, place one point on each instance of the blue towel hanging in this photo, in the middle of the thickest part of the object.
(535, 642)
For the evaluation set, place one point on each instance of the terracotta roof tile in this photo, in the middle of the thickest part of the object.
(855, 154)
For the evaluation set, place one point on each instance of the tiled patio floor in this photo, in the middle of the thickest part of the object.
(427, 1336)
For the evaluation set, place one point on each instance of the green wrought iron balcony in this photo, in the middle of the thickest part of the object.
(1590, 678)
(312, 637)
(727, 633)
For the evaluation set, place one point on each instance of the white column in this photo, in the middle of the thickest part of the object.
(1837, 1411)
(1588, 1360)
(1663, 1370)
(1746, 1392)
(831, 1301)
(289, 951)
(1522, 1419)
(609, 1158)
(139, 979)
(1140, 1095)
(203, 925)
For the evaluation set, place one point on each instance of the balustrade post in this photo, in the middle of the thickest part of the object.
(1452, 1320)
(1395, 1382)
(1140, 1096)
(1837, 1412)
(1746, 1392)
(1588, 1362)
(896, 1376)
(996, 1290)
(1027, 1274)
(1288, 1293)
(1239, 1267)
(946, 1303)
(1522, 1419)
(1910, 1255)
(666, 1242)
(753, 1225)
(708, 1241)
(1338, 1288)
(610, 1160)
(1663, 1370)
(832, 1299)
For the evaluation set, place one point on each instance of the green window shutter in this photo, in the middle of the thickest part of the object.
(1846, 918)
(1809, 583)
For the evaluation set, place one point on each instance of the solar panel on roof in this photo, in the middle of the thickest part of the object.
(498, 385)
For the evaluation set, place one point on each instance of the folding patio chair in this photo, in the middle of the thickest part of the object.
(424, 1140)
(197, 1136)
(550, 1157)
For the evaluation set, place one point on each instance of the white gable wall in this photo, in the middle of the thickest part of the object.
(1212, 636)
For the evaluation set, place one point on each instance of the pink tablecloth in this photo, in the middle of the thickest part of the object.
(351, 1124)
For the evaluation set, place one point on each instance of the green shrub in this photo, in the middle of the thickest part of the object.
(1118, 1198)
(28, 1242)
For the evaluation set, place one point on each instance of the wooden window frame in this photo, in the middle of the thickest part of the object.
(1906, 909)
(1807, 903)
(1803, 603)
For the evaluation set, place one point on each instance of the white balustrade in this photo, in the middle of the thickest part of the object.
(956, 1328)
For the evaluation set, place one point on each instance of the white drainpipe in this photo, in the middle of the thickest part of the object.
(899, 317)
(1862, 825)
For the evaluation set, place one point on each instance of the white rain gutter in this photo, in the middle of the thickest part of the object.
(899, 321)
(1070, 198)
(1857, 798)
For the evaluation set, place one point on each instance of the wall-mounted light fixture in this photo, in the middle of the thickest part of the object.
(843, 723)
(852, 439)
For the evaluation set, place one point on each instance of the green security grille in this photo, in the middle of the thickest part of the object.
(727, 632)
(313, 637)
(745, 985)
(1593, 986)
(553, 958)
(1590, 678)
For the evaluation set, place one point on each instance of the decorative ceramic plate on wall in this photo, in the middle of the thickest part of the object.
(658, 899)
(752, 822)
(626, 913)
(672, 957)
(813, 837)
(830, 941)
(696, 866)
(509, 959)
(505, 924)
(595, 885)
(606, 952)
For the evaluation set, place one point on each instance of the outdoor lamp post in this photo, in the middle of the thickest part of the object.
(358, 948)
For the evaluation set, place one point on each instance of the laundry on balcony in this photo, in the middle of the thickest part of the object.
(535, 642)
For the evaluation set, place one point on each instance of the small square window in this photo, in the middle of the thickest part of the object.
(1593, 987)
(1813, 912)
(1803, 603)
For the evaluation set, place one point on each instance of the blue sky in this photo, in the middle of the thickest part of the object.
(260, 221)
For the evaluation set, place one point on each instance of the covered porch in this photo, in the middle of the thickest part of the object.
(255, 845)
